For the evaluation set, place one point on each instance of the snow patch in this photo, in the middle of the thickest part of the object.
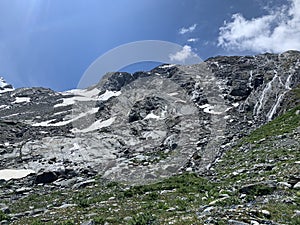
(6, 90)
(11, 115)
(173, 94)
(95, 126)
(2, 82)
(212, 110)
(65, 122)
(108, 94)
(4, 106)
(8, 174)
(5, 87)
(152, 116)
(43, 124)
(204, 106)
(167, 66)
(21, 99)
(83, 92)
(85, 96)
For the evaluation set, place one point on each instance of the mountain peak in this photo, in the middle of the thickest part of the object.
(4, 86)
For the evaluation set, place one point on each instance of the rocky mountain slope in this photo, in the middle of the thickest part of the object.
(212, 143)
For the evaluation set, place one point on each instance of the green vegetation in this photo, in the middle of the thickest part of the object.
(3, 216)
(143, 219)
(280, 125)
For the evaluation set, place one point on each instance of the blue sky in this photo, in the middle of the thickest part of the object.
(51, 43)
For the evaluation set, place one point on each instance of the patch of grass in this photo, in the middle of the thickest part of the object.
(36, 222)
(296, 92)
(280, 125)
(3, 216)
(68, 222)
(143, 219)
(99, 220)
(283, 213)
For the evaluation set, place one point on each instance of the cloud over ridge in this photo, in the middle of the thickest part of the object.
(183, 55)
(276, 32)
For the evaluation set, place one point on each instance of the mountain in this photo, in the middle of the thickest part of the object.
(210, 141)
(4, 87)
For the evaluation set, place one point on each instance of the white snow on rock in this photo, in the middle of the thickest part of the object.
(108, 94)
(86, 95)
(173, 94)
(81, 95)
(4, 87)
(152, 116)
(8, 174)
(204, 106)
(65, 122)
(167, 66)
(21, 99)
(6, 90)
(215, 110)
(83, 92)
(4, 106)
(95, 126)
(66, 102)
(2, 82)
(43, 124)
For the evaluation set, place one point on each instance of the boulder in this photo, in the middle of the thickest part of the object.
(46, 177)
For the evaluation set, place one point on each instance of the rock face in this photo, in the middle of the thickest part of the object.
(144, 126)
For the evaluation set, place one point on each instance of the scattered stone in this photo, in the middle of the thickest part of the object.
(4, 208)
(236, 222)
(127, 218)
(293, 180)
(285, 184)
(297, 213)
(297, 186)
(64, 206)
(208, 210)
(171, 209)
(235, 173)
(90, 222)
(189, 169)
(36, 211)
(68, 182)
(23, 190)
(266, 213)
(83, 184)
(217, 200)
(258, 189)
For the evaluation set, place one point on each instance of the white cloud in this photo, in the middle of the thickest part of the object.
(192, 40)
(182, 55)
(188, 30)
(276, 32)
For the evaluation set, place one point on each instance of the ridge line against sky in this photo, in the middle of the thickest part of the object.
(51, 43)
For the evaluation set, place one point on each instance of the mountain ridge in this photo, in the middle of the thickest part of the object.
(147, 127)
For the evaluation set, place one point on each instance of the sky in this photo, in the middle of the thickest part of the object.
(51, 43)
